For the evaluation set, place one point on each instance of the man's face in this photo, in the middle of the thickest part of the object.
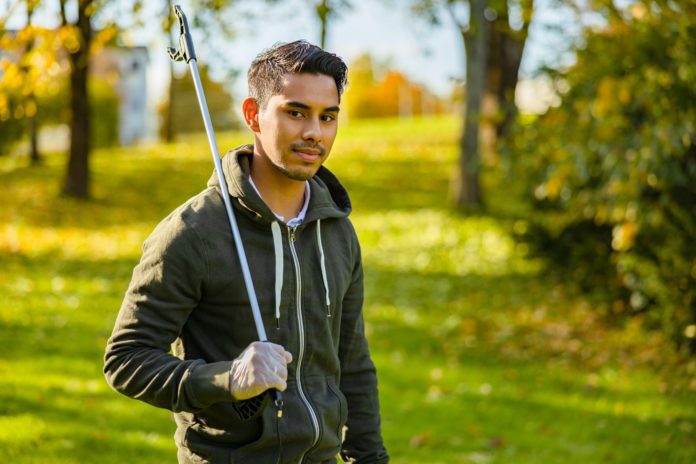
(298, 125)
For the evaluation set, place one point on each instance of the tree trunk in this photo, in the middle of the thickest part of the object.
(32, 122)
(323, 34)
(323, 12)
(34, 156)
(77, 179)
(169, 113)
(506, 49)
(512, 49)
(466, 187)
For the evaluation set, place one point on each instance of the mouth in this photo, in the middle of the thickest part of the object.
(309, 154)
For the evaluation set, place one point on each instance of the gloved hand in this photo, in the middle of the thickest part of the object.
(261, 366)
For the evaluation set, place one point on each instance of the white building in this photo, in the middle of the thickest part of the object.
(127, 67)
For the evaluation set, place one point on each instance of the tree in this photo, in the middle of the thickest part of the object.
(76, 39)
(30, 70)
(77, 177)
(506, 46)
(325, 9)
(44, 49)
(184, 103)
(493, 51)
(168, 119)
(467, 188)
(31, 95)
(212, 21)
(376, 90)
(79, 41)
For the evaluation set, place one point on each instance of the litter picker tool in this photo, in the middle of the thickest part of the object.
(187, 53)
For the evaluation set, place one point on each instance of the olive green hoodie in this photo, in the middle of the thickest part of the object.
(187, 292)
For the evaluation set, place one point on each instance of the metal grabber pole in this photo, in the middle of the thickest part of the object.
(187, 53)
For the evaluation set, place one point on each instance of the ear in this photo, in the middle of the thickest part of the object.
(250, 110)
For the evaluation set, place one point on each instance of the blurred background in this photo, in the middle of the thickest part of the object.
(523, 174)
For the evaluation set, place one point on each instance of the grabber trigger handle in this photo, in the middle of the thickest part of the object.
(186, 51)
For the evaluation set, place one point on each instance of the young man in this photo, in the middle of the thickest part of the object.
(188, 292)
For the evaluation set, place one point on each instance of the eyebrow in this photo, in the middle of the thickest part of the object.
(296, 104)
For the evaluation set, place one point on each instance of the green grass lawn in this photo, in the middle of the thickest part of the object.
(482, 358)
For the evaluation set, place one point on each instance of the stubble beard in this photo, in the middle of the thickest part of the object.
(296, 173)
(302, 172)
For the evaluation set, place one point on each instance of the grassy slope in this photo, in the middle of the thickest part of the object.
(481, 359)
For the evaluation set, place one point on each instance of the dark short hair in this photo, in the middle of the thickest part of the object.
(267, 70)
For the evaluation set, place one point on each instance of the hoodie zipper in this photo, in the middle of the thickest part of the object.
(300, 324)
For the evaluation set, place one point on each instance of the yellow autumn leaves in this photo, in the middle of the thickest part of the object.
(35, 62)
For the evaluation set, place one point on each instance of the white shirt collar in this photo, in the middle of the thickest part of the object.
(294, 222)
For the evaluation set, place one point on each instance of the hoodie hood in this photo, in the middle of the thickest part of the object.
(328, 198)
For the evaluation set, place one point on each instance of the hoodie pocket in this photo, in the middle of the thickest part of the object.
(342, 407)
(266, 448)
(218, 434)
(331, 407)
(200, 450)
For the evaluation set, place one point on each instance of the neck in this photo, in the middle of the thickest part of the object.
(284, 196)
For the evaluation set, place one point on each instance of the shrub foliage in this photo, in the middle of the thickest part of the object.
(612, 169)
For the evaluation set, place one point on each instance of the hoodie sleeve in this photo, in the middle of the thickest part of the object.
(363, 440)
(165, 288)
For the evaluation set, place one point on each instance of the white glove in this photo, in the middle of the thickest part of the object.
(261, 366)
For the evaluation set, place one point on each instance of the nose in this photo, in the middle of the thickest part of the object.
(312, 130)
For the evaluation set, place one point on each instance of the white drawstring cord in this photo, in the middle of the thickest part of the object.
(323, 270)
(278, 250)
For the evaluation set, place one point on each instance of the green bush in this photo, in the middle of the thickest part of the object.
(104, 118)
(612, 170)
(186, 113)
